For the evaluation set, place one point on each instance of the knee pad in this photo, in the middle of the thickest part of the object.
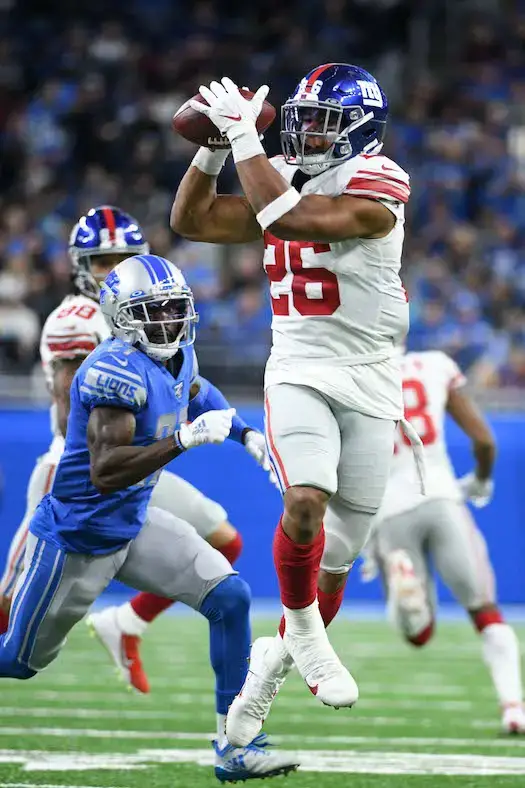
(11, 668)
(231, 597)
(346, 532)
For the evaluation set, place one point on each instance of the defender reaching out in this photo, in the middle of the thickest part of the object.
(127, 421)
(100, 240)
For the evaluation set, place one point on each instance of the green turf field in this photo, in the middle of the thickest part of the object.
(425, 718)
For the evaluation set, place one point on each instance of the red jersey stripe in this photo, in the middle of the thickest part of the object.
(67, 346)
(378, 188)
(383, 174)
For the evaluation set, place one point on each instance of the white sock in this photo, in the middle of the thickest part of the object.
(501, 654)
(411, 623)
(221, 730)
(279, 654)
(129, 622)
(305, 621)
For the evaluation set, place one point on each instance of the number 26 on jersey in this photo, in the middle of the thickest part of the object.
(296, 282)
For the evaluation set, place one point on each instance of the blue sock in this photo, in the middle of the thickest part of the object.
(227, 608)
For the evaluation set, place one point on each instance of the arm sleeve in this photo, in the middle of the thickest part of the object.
(210, 398)
(106, 383)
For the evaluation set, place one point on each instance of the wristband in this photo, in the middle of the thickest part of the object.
(210, 162)
(274, 210)
(177, 441)
(246, 431)
(245, 143)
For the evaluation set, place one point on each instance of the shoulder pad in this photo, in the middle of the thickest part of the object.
(378, 177)
(113, 379)
(284, 169)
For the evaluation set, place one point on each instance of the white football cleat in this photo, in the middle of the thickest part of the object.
(123, 649)
(407, 598)
(266, 675)
(257, 761)
(325, 675)
(513, 720)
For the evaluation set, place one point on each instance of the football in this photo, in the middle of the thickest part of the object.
(197, 128)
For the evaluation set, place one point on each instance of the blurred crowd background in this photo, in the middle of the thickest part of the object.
(87, 92)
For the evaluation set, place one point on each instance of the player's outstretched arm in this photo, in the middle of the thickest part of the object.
(114, 463)
(63, 374)
(199, 214)
(207, 397)
(468, 417)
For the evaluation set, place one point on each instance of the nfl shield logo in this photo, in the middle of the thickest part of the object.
(178, 389)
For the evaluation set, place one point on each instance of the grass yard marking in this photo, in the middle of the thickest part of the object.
(315, 714)
(392, 741)
(358, 762)
(67, 697)
(48, 785)
(352, 762)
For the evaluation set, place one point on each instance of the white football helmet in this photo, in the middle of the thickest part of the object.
(145, 301)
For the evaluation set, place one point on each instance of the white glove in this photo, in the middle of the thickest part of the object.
(211, 427)
(369, 568)
(255, 445)
(478, 491)
(233, 115)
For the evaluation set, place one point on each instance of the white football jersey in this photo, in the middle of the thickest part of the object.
(340, 309)
(428, 378)
(72, 330)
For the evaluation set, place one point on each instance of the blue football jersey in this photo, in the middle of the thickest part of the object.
(75, 515)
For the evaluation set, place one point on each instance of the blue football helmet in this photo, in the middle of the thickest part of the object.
(336, 112)
(146, 301)
(103, 230)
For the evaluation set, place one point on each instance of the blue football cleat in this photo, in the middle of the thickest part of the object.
(255, 762)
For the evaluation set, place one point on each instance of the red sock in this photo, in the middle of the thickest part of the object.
(297, 567)
(329, 604)
(4, 622)
(485, 618)
(233, 549)
(149, 606)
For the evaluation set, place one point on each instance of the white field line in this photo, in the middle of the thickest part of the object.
(393, 741)
(184, 699)
(172, 653)
(49, 785)
(204, 714)
(379, 762)
(383, 690)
